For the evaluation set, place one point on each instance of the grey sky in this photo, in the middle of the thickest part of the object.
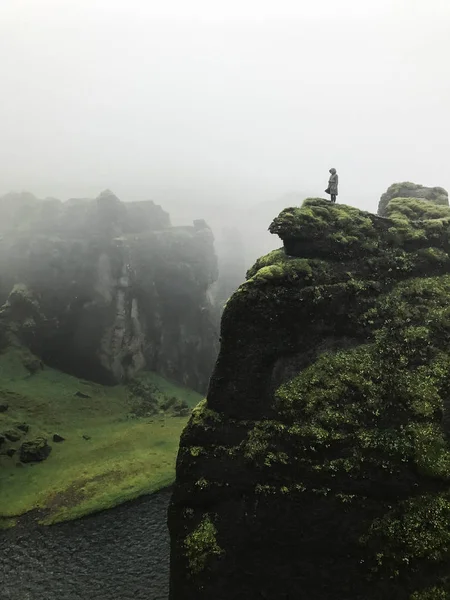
(223, 101)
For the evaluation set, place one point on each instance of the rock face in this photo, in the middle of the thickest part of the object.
(436, 195)
(318, 467)
(102, 289)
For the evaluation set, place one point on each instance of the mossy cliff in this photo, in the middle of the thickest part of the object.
(318, 467)
(102, 289)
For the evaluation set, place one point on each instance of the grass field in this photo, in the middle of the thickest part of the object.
(125, 456)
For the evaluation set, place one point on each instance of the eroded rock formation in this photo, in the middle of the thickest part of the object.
(318, 467)
(435, 195)
(101, 288)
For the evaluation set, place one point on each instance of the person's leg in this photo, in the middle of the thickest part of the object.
(333, 198)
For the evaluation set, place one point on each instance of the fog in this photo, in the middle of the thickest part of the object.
(223, 103)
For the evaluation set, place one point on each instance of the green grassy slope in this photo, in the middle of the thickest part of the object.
(125, 456)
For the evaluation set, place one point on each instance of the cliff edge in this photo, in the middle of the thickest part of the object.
(318, 467)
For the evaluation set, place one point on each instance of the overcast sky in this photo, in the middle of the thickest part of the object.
(223, 101)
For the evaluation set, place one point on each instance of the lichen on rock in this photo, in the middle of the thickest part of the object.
(323, 445)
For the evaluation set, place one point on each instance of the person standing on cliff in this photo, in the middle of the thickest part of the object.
(333, 185)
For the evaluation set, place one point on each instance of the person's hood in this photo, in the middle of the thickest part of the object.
(333, 171)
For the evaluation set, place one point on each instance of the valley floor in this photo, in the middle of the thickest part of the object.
(109, 454)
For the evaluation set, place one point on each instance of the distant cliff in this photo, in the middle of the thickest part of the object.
(318, 467)
(102, 289)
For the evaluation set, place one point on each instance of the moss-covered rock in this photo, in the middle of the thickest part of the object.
(406, 189)
(35, 450)
(414, 209)
(321, 454)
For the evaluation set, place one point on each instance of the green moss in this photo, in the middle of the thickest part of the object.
(278, 268)
(335, 231)
(196, 450)
(201, 544)
(327, 280)
(316, 219)
(260, 438)
(202, 416)
(432, 256)
(344, 396)
(357, 442)
(374, 412)
(124, 457)
(286, 269)
(265, 489)
(272, 258)
(406, 189)
(434, 593)
(418, 528)
(372, 415)
(415, 209)
(417, 220)
(202, 483)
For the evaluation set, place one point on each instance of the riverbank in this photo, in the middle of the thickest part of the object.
(115, 448)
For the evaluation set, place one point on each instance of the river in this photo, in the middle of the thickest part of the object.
(119, 554)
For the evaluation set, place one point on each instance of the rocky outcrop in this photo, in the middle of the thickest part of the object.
(318, 467)
(12, 435)
(435, 195)
(35, 450)
(102, 289)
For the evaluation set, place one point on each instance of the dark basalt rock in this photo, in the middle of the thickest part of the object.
(34, 451)
(12, 435)
(23, 427)
(58, 438)
(86, 437)
(33, 364)
(82, 395)
(318, 467)
(10, 452)
(3, 408)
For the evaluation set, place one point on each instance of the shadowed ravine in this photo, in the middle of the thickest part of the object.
(118, 554)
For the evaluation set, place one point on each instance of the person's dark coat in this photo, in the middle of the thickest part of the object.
(333, 183)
